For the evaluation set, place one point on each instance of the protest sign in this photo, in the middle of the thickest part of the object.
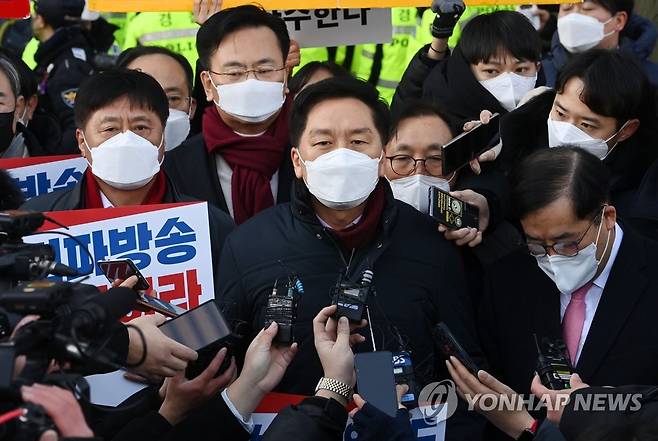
(169, 243)
(186, 5)
(425, 429)
(14, 8)
(44, 174)
(337, 27)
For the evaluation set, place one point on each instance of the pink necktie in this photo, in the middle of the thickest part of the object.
(574, 319)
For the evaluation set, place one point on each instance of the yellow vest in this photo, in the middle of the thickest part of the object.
(174, 30)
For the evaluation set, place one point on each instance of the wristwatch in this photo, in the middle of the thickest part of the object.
(335, 386)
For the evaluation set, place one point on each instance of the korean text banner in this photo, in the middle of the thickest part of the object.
(337, 27)
(44, 174)
(169, 243)
(14, 8)
(186, 5)
(425, 429)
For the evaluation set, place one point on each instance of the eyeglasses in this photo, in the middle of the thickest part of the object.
(261, 73)
(567, 249)
(405, 165)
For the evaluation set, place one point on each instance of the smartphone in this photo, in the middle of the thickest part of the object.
(375, 380)
(469, 145)
(7, 358)
(452, 212)
(122, 269)
(149, 303)
(205, 330)
(450, 347)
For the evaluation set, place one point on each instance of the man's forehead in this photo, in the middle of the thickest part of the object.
(123, 109)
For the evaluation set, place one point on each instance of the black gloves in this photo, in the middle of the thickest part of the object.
(447, 16)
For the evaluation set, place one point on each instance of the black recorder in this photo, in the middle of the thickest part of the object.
(350, 298)
(452, 212)
(282, 309)
(553, 365)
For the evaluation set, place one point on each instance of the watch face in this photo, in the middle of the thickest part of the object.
(456, 206)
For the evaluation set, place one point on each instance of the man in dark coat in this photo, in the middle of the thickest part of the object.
(121, 117)
(343, 221)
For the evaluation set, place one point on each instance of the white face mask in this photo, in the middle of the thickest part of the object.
(341, 179)
(570, 273)
(23, 119)
(251, 101)
(562, 133)
(509, 88)
(125, 161)
(177, 129)
(414, 190)
(580, 32)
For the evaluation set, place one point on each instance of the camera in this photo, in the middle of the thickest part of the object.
(553, 364)
(352, 298)
(282, 309)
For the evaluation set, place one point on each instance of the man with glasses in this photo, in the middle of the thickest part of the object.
(175, 75)
(585, 278)
(241, 160)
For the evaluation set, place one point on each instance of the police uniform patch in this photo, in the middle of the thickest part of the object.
(68, 96)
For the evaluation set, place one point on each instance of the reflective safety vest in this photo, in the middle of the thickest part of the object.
(174, 30)
(384, 64)
(341, 55)
(29, 52)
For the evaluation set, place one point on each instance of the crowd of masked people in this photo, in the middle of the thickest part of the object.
(313, 174)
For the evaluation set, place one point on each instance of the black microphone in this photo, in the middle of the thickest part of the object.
(51, 267)
(99, 314)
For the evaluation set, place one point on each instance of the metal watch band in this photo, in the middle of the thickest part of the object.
(335, 386)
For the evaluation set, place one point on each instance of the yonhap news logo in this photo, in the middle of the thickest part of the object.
(438, 401)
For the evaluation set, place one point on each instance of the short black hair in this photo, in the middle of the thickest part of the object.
(9, 70)
(217, 27)
(300, 79)
(487, 34)
(549, 174)
(615, 84)
(129, 55)
(615, 6)
(103, 88)
(337, 88)
(419, 108)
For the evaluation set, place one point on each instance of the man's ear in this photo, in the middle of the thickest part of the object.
(20, 107)
(610, 216)
(620, 20)
(629, 130)
(208, 88)
(84, 150)
(192, 107)
(297, 163)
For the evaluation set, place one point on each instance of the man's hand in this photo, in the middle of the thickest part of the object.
(294, 56)
(556, 399)
(491, 154)
(164, 356)
(204, 9)
(511, 421)
(264, 367)
(130, 282)
(182, 395)
(333, 343)
(448, 13)
(62, 407)
(470, 236)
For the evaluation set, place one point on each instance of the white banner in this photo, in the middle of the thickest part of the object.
(337, 27)
(42, 175)
(170, 245)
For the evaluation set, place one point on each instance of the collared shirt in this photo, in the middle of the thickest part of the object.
(248, 424)
(105, 201)
(225, 173)
(326, 225)
(594, 294)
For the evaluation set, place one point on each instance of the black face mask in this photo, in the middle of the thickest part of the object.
(6, 129)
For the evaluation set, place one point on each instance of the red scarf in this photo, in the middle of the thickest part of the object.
(92, 191)
(253, 159)
(364, 232)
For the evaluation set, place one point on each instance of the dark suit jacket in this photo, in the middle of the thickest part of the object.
(622, 344)
(194, 172)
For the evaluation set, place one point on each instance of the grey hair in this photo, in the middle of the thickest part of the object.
(11, 73)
